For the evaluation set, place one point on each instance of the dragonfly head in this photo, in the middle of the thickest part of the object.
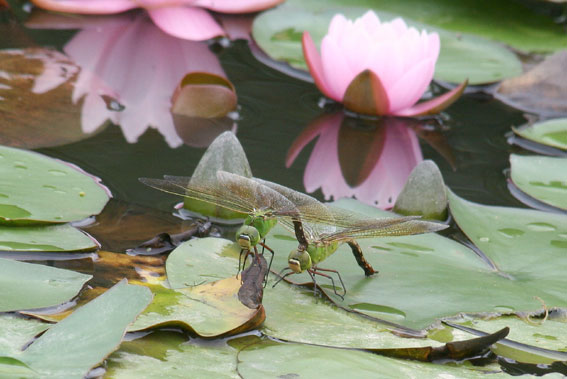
(247, 237)
(299, 260)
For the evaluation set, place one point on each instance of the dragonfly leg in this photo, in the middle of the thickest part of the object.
(271, 260)
(240, 261)
(282, 277)
(311, 274)
(316, 272)
(362, 262)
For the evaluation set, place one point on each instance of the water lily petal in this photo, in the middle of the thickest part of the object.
(337, 72)
(315, 65)
(240, 6)
(86, 7)
(411, 86)
(186, 22)
(434, 105)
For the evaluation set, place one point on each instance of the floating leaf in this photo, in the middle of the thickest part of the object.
(28, 286)
(185, 265)
(528, 342)
(16, 332)
(540, 90)
(202, 94)
(81, 341)
(550, 132)
(170, 355)
(39, 189)
(269, 359)
(207, 310)
(45, 238)
(544, 178)
(278, 32)
(36, 99)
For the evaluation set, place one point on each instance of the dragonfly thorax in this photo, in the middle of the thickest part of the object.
(262, 223)
(247, 237)
(299, 260)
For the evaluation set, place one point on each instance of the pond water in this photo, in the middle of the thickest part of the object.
(279, 123)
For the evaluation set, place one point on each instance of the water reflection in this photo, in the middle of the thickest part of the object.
(129, 69)
(362, 158)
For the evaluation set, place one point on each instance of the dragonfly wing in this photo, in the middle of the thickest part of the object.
(253, 192)
(389, 227)
(207, 191)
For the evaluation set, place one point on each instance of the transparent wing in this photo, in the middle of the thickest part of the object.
(206, 191)
(389, 227)
(230, 191)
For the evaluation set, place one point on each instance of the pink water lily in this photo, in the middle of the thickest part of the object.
(378, 68)
(187, 19)
(370, 165)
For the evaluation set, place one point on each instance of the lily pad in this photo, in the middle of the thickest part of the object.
(537, 341)
(37, 105)
(28, 286)
(269, 359)
(16, 332)
(81, 341)
(544, 178)
(278, 32)
(45, 238)
(169, 355)
(37, 189)
(551, 133)
(207, 310)
(186, 265)
(540, 90)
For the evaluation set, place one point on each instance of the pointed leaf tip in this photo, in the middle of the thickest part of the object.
(366, 95)
(435, 105)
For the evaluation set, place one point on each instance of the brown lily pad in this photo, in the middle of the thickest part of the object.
(543, 89)
(36, 91)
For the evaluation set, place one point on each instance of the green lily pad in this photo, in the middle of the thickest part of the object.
(186, 265)
(13, 368)
(81, 341)
(207, 310)
(29, 286)
(528, 342)
(45, 238)
(16, 332)
(270, 359)
(169, 355)
(551, 132)
(278, 32)
(544, 178)
(38, 189)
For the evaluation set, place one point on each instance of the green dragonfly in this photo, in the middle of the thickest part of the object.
(262, 205)
(318, 241)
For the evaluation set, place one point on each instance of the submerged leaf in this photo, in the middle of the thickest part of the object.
(544, 178)
(39, 189)
(28, 286)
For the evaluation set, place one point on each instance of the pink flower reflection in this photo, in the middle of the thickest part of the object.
(187, 19)
(130, 60)
(371, 165)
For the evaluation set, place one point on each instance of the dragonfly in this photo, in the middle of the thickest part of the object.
(318, 241)
(262, 205)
